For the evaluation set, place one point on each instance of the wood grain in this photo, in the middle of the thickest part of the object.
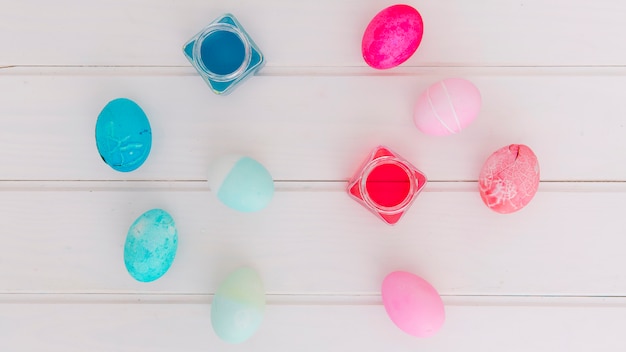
(310, 127)
(318, 240)
(321, 33)
(520, 325)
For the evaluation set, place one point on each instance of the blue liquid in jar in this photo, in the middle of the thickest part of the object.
(222, 52)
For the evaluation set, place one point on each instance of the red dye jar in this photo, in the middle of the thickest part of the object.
(386, 184)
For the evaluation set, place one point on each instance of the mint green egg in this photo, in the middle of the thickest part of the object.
(241, 183)
(238, 306)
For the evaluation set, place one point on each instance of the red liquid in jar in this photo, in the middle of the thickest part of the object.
(388, 185)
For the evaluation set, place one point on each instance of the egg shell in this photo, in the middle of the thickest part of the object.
(509, 179)
(412, 304)
(241, 183)
(238, 306)
(123, 135)
(392, 36)
(151, 245)
(447, 107)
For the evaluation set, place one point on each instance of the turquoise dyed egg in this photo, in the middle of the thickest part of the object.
(123, 135)
(238, 306)
(241, 183)
(151, 245)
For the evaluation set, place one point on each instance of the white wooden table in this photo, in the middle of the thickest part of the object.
(549, 278)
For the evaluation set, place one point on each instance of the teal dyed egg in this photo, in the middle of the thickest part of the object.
(241, 183)
(238, 306)
(123, 135)
(151, 245)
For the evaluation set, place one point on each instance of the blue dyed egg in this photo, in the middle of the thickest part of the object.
(241, 183)
(238, 306)
(151, 245)
(123, 135)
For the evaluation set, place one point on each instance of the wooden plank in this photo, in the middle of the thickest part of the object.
(310, 327)
(321, 33)
(310, 127)
(316, 240)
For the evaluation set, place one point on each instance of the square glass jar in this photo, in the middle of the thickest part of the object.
(386, 184)
(224, 54)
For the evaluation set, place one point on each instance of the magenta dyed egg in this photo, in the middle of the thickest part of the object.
(392, 36)
(447, 107)
(509, 178)
(413, 304)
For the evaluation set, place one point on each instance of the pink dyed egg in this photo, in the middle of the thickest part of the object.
(392, 36)
(412, 304)
(509, 179)
(447, 107)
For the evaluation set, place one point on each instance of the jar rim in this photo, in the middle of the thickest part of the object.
(220, 27)
(388, 160)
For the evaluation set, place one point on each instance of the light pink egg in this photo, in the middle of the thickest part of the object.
(413, 304)
(392, 36)
(509, 178)
(447, 107)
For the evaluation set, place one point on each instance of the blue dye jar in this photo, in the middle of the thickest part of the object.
(224, 54)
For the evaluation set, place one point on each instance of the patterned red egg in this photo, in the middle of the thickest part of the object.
(509, 178)
(392, 36)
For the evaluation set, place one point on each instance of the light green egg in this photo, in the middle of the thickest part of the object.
(241, 183)
(238, 306)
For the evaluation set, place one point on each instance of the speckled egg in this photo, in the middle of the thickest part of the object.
(241, 183)
(238, 306)
(509, 179)
(392, 36)
(151, 245)
(412, 304)
(123, 135)
(447, 107)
